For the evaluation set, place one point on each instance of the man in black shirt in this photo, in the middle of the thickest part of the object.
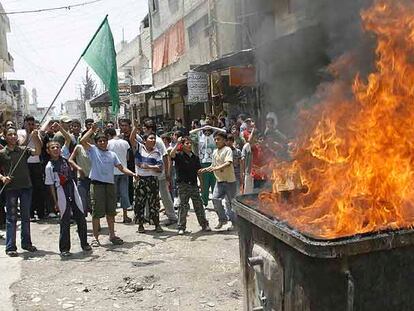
(187, 165)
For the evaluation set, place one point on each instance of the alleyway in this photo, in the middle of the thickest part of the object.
(199, 271)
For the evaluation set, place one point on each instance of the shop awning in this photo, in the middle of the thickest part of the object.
(102, 100)
(153, 90)
(241, 58)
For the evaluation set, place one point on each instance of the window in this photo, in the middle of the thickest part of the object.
(197, 30)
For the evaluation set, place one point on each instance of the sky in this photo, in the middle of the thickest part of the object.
(45, 46)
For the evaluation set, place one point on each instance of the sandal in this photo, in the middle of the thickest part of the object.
(95, 243)
(116, 240)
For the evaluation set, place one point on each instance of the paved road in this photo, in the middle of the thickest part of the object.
(198, 271)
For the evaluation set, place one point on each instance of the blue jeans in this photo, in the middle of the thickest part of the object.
(224, 190)
(166, 199)
(25, 196)
(84, 188)
(121, 184)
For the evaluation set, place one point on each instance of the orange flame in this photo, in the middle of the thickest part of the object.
(356, 156)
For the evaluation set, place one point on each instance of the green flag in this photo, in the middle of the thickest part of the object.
(101, 57)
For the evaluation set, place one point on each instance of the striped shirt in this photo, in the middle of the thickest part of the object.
(142, 156)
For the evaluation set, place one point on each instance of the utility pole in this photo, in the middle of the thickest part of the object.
(214, 34)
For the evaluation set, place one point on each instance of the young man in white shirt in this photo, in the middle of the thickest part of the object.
(35, 169)
(120, 147)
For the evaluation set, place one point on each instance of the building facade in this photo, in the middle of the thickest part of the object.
(75, 109)
(8, 104)
(6, 60)
(186, 35)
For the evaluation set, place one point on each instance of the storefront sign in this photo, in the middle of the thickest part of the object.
(242, 76)
(197, 87)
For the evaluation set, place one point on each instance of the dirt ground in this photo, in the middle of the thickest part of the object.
(151, 271)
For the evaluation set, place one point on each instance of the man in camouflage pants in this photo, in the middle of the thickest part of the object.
(187, 165)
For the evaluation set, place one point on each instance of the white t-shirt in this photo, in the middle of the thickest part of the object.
(206, 147)
(22, 137)
(120, 147)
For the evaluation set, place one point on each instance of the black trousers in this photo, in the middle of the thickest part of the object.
(79, 217)
(131, 167)
(38, 186)
(2, 206)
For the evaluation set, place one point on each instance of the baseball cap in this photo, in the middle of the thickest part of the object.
(65, 119)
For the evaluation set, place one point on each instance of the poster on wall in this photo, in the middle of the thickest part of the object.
(197, 83)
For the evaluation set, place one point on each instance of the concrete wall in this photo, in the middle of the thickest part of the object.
(6, 60)
(134, 59)
(74, 109)
(228, 26)
(170, 12)
(164, 18)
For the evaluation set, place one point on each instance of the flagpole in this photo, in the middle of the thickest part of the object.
(94, 36)
(54, 100)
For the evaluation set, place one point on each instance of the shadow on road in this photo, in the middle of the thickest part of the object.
(200, 234)
(40, 253)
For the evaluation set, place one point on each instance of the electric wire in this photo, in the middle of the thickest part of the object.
(66, 7)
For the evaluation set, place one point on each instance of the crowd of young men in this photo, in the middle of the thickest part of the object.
(57, 169)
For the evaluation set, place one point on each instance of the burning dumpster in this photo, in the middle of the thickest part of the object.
(335, 231)
(284, 269)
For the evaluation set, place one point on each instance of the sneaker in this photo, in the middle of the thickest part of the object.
(95, 243)
(181, 232)
(12, 253)
(220, 225)
(30, 248)
(206, 228)
(158, 229)
(65, 254)
(141, 229)
(169, 222)
(87, 248)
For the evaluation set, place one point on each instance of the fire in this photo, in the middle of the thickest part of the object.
(355, 159)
